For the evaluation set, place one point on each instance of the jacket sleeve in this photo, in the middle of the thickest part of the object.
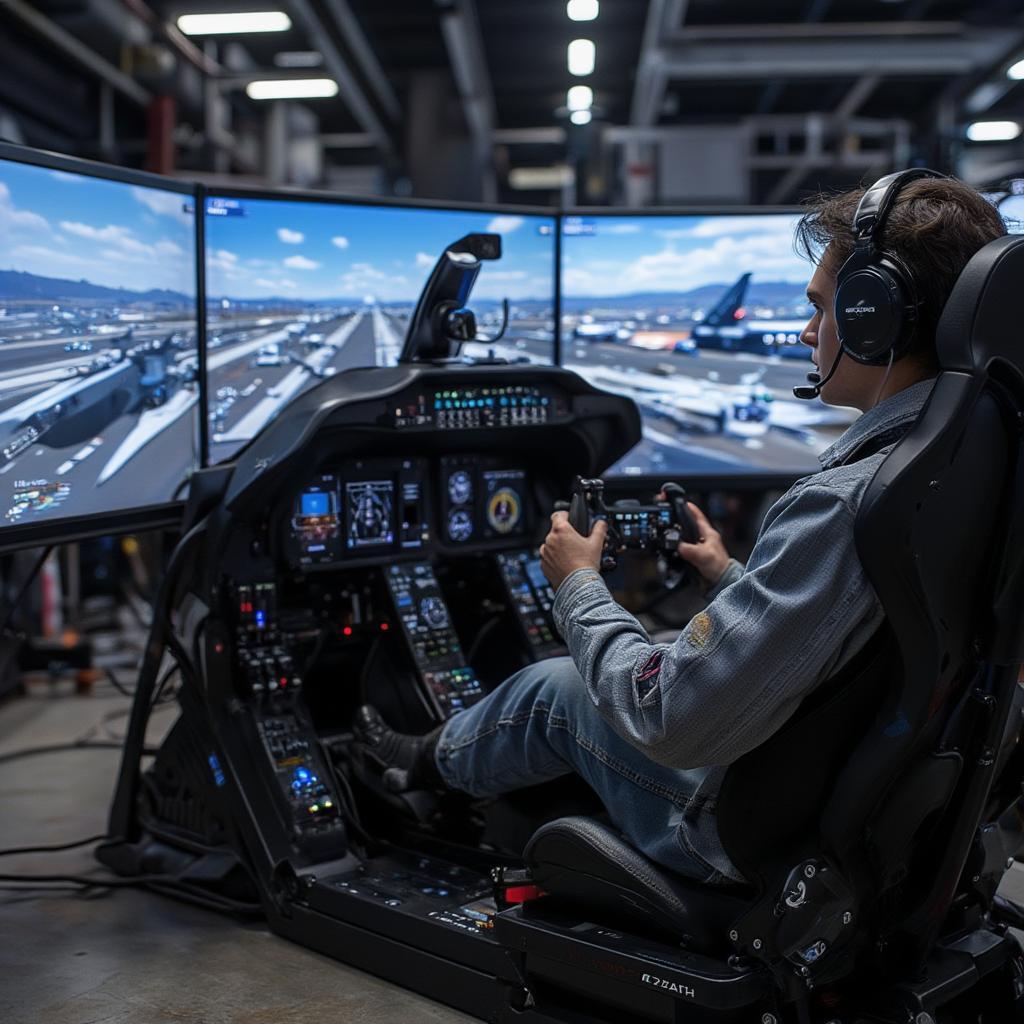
(741, 667)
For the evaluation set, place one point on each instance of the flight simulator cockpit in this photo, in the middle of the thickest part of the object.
(364, 475)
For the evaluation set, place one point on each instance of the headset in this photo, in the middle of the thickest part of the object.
(876, 302)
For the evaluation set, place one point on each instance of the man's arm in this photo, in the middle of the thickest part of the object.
(740, 668)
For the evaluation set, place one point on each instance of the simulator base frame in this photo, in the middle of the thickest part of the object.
(392, 511)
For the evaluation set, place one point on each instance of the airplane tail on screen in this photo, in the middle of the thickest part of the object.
(724, 311)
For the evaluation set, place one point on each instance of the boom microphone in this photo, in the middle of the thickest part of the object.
(814, 382)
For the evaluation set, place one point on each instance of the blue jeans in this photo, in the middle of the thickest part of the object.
(541, 724)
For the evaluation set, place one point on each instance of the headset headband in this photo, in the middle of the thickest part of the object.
(878, 200)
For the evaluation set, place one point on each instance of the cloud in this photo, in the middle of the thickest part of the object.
(276, 284)
(112, 234)
(11, 217)
(425, 260)
(366, 279)
(340, 241)
(769, 254)
(71, 179)
(227, 263)
(713, 227)
(620, 229)
(301, 263)
(370, 271)
(504, 225)
(290, 237)
(164, 204)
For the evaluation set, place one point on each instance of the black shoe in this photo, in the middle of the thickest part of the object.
(403, 763)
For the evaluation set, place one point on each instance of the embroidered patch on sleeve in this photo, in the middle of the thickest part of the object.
(699, 631)
(647, 678)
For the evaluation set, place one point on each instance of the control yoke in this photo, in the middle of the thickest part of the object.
(442, 321)
(656, 528)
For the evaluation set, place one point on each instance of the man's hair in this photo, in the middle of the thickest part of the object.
(934, 228)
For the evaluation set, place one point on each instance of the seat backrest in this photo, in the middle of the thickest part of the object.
(933, 535)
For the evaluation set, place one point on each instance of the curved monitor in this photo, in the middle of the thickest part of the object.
(698, 318)
(300, 287)
(99, 361)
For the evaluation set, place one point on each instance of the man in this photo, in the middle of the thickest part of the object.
(653, 727)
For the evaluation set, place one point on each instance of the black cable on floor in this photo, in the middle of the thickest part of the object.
(55, 747)
(12, 851)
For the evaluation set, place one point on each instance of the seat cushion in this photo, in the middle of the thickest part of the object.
(581, 862)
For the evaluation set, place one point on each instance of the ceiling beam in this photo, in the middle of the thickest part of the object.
(75, 50)
(545, 136)
(832, 58)
(362, 51)
(649, 87)
(351, 90)
(857, 96)
(460, 28)
(821, 30)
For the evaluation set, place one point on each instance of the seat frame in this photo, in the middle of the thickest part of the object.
(850, 881)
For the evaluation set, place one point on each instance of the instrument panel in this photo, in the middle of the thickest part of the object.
(369, 509)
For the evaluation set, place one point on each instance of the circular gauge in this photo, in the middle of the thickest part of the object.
(460, 487)
(504, 510)
(460, 525)
(433, 612)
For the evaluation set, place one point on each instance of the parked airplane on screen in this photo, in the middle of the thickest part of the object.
(726, 327)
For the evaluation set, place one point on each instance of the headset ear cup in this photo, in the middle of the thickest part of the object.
(871, 309)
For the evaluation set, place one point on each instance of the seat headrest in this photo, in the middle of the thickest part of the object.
(980, 321)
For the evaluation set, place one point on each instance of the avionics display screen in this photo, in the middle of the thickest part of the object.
(316, 523)
(697, 318)
(370, 514)
(300, 289)
(99, 388)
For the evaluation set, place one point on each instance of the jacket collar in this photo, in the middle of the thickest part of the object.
(897, 411)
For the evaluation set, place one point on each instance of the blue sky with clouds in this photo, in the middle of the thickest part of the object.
(626, 255)
(110, 233)
(313, 250)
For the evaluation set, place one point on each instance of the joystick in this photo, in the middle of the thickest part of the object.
(656, 528)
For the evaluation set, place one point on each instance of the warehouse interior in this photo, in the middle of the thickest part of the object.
(315, 316)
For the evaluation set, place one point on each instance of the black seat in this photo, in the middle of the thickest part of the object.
(854, 822)
(584, 860)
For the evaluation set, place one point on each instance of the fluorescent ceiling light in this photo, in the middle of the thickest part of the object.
(231, 24)
(1016, 71)
(291, 88)
(580, 117)
(298, 59)
(581, 55)
(582, 10)
(993, 131)
(580, 97)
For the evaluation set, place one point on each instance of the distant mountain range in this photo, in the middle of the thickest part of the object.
(18, 285)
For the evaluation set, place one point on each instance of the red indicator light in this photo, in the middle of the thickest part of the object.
(218, 648)
(347, 631)
(284, 680)
(384, 627)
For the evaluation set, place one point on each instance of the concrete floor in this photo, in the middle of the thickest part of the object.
(134, 957)
(138, 958)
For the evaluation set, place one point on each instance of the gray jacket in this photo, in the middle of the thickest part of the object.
(772, 631)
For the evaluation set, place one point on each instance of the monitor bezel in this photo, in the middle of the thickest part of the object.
(68, 529)
(758, 478)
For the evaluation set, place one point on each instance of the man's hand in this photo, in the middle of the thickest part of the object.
(708, 556)
(564, 550)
